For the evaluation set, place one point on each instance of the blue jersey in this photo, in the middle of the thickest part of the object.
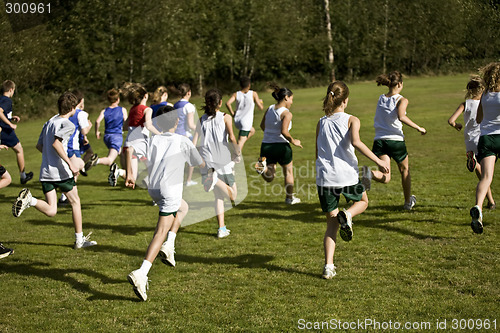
(74, 139)
(113, 120)
(6, 105)
(156, 107)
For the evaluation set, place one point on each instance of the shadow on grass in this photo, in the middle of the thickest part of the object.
(243, 261)
(129, 230)
(43, 271)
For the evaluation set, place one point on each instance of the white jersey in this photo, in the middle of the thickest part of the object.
(245, 105)
(272, 132)
(490, 101)
(337, 165)
(387, 124)
(214, 147)
(166, 156)
(53, 167)
(472, 130)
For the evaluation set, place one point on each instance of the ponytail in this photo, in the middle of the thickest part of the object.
(158, 93)
(279, 94)
(336, 94)
(390, 80)
(213, 97)
(134, 92)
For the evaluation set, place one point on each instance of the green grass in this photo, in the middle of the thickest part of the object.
(421, 266)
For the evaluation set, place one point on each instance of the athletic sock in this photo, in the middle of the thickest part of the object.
(23, 175)
(223, 228)
(33, 202)
(79, 237)
(63, 197)
(97, 162)
(145, 267)
(122, 173)
(331, 266)
(171, 238)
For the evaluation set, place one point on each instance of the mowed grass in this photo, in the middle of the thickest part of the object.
(419, 266)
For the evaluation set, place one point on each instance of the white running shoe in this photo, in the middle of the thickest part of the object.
(22, 202)
(292, 201)
(140, 283)
(191, 183)
(261, 165)
(329, 273)
(366, 178)
(345, 221)
(223, 233)
(210, 181)
(86, 242)
(411, 204)
(477, 219)
(167, 254)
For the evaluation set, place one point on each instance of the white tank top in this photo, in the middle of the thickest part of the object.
(213, 141)
(244, 109)
(490, 101)
(272, 132)
(337, 165)
(472, 130)
(387, 124)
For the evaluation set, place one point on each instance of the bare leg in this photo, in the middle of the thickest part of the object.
(404, 169)
(359, 206)
(219, 206)
(489, 195)
(289, 180)
(181, 214)
(332, 227)
(270, 172)
(488, 169)
(162, 227)
(76, 208)
(5, 180)
(48, 207)
(380, 177)
(112, 154)
(18, 149)
(243, 139)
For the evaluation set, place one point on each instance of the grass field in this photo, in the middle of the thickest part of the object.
(419, 267)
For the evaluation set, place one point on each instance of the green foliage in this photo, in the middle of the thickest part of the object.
(96, 45)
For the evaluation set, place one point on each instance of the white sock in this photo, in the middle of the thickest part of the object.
(97, 162)
(33, 202)
(122, 173)
(145, 267)
(63, 197)
(79, 236)
(171, 238)
(331, 266)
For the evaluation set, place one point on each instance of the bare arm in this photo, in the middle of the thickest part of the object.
(229, 127)
(197, 134)
(229, 102)
(286, 118)
(354, 125)
(58, 146)
(148, 113)
(190, 121)
(98, 124)
(403, 104)
(258, 101)
(263, 121)
(454, 117)
(130, 181)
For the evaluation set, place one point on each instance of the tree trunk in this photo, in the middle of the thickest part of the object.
(200, 84)
(386, 28)
(331, 58)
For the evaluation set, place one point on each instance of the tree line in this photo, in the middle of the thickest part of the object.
(96, 45)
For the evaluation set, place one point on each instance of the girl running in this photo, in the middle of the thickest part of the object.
(389, 139)
(472, 131)
(245, 105)
(337, 134)
(214, 131)
(488, 116)
(275, 148)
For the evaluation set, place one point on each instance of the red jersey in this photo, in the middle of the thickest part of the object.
(136, 115)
